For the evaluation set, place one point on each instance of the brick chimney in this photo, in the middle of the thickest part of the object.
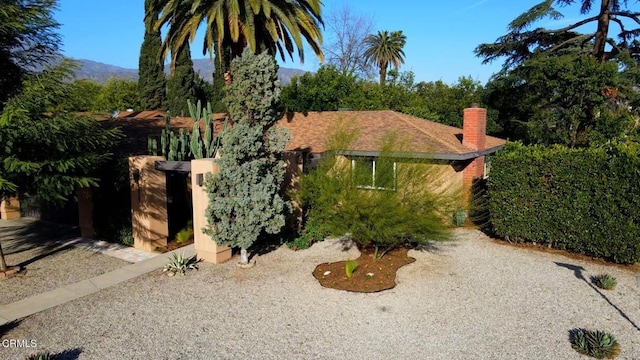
(474, 136)
(474, 127)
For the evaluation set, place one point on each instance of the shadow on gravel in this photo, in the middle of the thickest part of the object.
(69, 354)
(26, 234)
(578, 273)
(5, 328)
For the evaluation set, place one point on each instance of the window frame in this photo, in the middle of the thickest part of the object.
(373, 186)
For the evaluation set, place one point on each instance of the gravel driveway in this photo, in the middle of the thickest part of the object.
(469, 299)
(35, 246)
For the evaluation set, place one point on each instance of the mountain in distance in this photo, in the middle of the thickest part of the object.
(101, 72)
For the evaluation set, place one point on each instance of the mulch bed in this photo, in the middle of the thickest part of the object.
(371, 275)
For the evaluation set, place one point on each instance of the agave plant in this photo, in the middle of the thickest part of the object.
(604, 281)
(41, 356)
(179, 264)
(350, 266)
(597, 344)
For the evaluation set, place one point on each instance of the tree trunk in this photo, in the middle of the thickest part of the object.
(603, 31)
(383, 75)
(3, 263)
(244, 257)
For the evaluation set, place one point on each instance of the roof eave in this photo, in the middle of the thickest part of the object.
(440, 156)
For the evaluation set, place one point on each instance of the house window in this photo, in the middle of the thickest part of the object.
(375, 174)
(487, 169)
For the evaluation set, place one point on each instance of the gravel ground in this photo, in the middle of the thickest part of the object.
(33, 245)
(470, 299)
(53, 267)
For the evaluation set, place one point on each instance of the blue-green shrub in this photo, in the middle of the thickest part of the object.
(581, 200)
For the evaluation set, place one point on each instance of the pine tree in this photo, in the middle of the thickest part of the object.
(152, 82)
(49, 155)
(244, 196)
(181, 84)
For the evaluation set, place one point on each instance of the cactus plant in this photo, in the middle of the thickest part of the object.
(207, 145)
(152, 146)
(188, 145)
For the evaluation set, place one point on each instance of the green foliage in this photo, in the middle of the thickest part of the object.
(83, 96)
(186, 234)
(326, 90)
(562, 100)
(313, 231)
(382, 211)
(597, 344)
(28, 41)
(277, 27)
(580, 200)
(523, 42)
(179, 264)
(119, 94)
(49, 157)
(329, 90)
(605, 281)
(181, 83)
(350, 266)
(42, 355)
(151, 79)
(384, 49)
(45, 91)
(244, 196)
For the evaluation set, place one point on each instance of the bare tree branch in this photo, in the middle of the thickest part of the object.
(346, 33)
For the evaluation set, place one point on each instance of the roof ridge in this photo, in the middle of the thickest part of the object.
(406, 121)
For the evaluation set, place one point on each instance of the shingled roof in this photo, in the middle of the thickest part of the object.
(421, 138)
(309, 131)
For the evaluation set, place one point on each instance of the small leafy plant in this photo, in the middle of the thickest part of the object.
(186, 234)
(312, 232)
(604, 281)
(179, 264)
(350, 266)
(597, 344)
(41, 356)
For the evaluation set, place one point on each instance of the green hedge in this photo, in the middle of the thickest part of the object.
(581, 200)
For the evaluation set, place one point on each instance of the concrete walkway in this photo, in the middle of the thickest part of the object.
(49, 299)
(118, 251)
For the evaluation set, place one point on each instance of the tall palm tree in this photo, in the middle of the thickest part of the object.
(277, 26)
(384, 49)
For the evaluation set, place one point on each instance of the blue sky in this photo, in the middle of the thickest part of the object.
(441, 35)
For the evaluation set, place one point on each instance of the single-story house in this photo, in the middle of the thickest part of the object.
(460, 152)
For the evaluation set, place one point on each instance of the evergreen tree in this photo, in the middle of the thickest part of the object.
(217, 101)
(27, 40)
(181, 84)
(602, 41)
(151, 80)
(48, 156)
(244, 199)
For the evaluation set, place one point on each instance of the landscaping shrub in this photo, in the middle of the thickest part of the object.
(580, 200)
(312, 231)
(381, 211)
(597, 344)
